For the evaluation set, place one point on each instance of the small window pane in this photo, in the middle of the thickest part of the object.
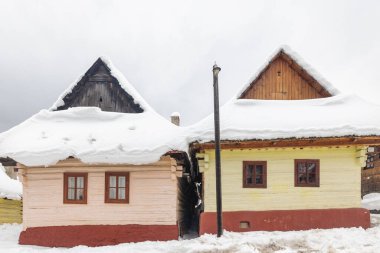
(80, 194)
(259, 169)
(302, 178)
(312, 178)
(71, 194)
(71, 182)
(80, 182)
(259, 179)
(249, 178)
(121, 193)
(311, 168)
(301, 168)
(112, 181)
(112, 193)
(121, 181)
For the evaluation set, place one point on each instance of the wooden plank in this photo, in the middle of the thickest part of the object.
(99, 88)
(73, 162)
(10, 211)
(152, 199)
(335, 191)
(305, 142)
(293, 83)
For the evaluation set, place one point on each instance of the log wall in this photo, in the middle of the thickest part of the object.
(152, 199)
(10, 211)
(340, 170)
(370, 180)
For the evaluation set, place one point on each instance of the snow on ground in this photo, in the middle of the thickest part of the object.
(9, 188)
(328, 240)
(371, 201)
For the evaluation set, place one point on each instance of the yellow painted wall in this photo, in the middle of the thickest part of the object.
(340, 179)
(10, 211)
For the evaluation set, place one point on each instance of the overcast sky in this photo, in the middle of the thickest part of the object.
(166, 49)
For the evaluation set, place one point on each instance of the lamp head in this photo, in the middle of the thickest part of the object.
(216, 69)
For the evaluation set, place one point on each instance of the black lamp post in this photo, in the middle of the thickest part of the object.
(219, 221)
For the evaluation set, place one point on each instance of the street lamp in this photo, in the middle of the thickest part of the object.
(219, 221)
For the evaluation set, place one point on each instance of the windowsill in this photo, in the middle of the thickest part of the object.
(116, 202)
(74, 202)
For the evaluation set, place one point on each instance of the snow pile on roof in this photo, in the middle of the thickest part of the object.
(249, 119)
(93, 136)
(371, 201)
(124, 83)
(298, 59)
(175, 114)
(9, 188)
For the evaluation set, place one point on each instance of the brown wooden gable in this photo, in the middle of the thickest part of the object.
(100, 89)
(284, 79)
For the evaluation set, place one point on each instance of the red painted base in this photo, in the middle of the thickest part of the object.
(285, 220)
(96, 235)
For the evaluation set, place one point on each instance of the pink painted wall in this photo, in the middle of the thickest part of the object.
(152, 199)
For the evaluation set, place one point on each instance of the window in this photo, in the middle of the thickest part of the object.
(306, 173)
(75, 188)
(254, 174)
(117, 187)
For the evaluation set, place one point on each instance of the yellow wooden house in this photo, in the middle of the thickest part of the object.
(292, 151)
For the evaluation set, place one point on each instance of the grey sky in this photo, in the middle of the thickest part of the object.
(166, 49)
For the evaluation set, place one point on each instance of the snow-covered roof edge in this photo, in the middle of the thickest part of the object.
(116, 153)
(124, 83)
(298, 59)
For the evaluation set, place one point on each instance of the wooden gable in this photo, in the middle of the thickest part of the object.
(284, 79)
(100, 89)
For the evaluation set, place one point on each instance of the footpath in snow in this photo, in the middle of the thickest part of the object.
(329, 240)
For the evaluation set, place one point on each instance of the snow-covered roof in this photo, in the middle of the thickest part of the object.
(93, 136)
(124, 83)
(175, 114)
(298, 59)
(9, 188)
(250, 119)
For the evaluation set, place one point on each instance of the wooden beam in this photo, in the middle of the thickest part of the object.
(293, 142)
(73, 162)
(306, 76)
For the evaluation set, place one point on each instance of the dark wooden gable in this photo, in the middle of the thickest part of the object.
(99, 88)
(284, 79)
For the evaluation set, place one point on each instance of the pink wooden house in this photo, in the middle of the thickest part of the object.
(100, 167)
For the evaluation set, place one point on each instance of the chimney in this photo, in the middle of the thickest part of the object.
(174, 118)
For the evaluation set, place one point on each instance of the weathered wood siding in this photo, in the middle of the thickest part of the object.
(371, 172)
(280, 81)
(100, 89)
(370, 180)
(152, 199)
(10, 211)
(339, 180)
